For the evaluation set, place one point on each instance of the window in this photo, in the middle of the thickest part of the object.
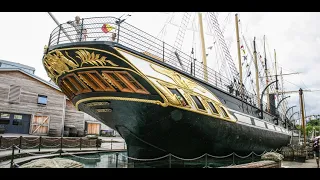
(17, 116)
(42, 99)
(2, 121)
(0, 64)
(179, 95)
(122, 86)
(214, 110)
(5, 116)
(224, 112)
(16, 122)
(198, 102)
(132, 82)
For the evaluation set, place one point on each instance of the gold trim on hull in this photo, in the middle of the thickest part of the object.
(120, 99)
(182, 83)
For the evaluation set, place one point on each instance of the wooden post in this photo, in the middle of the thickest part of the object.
(60, 146)
(302, 116)
(117, 155)
(40, 140)
(12, 157)
(80, 143)
(20, 143)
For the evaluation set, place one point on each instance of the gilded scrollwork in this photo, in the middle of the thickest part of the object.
(93, 59)
(58, 63)
(176, 77)
(187, 86)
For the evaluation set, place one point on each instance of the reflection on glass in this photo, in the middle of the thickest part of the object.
(5, 116)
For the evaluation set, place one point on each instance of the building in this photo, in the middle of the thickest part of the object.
(31, 105)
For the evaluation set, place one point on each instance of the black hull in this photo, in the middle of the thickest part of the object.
(151, 131)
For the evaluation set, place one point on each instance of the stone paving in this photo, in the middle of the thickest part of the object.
(310, 163)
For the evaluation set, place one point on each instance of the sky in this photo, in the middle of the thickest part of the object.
(294, 36)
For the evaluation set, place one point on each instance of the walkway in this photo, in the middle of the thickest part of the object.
(310, 163)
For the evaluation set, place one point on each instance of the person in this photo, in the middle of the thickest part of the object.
(113, 37)
(77, 24)
(316, 150)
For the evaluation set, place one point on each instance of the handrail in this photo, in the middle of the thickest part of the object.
(138, 40)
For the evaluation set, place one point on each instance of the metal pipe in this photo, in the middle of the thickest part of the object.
(293, 114)
(285, 115)
(261, 102)
(56, 21)
(281, 101)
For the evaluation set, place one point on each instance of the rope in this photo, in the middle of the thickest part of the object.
(243, 157)
(47, 139)
(259, 154)
(144, 159)
(220, 157)
(30, 140)
(72, 140)
(72, 146)
(6, 148)
(5, 164)
(50, 146)
(189, 159)
(80, 156)
(34, 154)
(10, 139)
(37, 145)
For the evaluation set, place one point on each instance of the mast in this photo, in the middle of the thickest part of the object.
(204, 57)
(275, 66)
(282, 94)
(256, 68)
(266, 72)
(239, 54)
(302, 116)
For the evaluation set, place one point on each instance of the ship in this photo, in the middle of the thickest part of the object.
(155, 96)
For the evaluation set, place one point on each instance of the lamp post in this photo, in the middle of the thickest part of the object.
(285, 115)
(261, 102)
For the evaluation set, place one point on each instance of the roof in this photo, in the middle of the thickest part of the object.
(18, 65)
(33, 76)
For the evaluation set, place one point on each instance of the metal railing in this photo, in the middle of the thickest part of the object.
(167, 161)
(90, 29)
